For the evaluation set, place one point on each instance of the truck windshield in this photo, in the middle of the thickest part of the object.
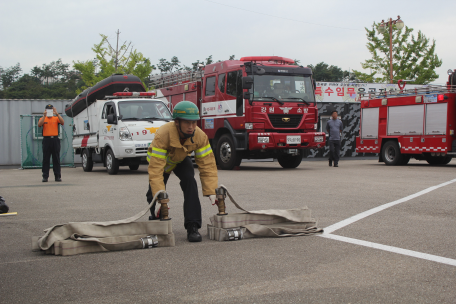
(289, 88)
(143, 110)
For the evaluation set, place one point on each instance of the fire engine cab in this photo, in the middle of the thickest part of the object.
(418, 123)
(253, 108)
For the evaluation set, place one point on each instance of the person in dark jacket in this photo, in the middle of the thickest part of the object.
(334, 128)
(170, 152)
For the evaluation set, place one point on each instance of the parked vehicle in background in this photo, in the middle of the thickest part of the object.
(117, 129)
(253, 108)
(417, 123)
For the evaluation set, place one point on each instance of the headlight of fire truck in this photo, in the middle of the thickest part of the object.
(124, 134)
(318, 138)
(248, 126)
(263, 140)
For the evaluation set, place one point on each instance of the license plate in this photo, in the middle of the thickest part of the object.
(293, 140)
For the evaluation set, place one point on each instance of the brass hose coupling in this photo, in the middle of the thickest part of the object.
(163, 200)
(220, 194)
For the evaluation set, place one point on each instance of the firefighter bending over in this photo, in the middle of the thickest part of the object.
(169, 152)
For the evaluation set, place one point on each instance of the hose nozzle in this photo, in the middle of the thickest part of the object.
(163, 200)
(220, 194)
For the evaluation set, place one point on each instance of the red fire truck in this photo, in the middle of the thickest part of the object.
(418, 123)
(252, 108)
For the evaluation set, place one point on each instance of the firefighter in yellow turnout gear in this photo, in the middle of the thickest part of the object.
(170, 152)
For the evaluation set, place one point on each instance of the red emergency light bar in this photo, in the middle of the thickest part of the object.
(134, 94)
(267, 58)
(440, 97)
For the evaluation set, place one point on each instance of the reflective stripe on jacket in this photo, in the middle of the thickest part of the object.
(166, 152)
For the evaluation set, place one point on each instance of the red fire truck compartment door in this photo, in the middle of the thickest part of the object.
(369, 123)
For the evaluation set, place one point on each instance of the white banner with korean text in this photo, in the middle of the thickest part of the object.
(351, 92)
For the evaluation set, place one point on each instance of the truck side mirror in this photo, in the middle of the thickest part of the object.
(314, 84)
(247, 95)
(260, 71)
(112, 119)
(247, 82)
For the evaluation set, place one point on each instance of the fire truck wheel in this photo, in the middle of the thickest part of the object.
(226, 154)
(405, 159)
(447, 160)
(391, 154)
(87, 163)
(437, 160)
(289, 161)
(112, 163)
(133, 167)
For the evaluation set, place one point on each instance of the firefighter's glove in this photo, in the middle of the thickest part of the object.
(213, 200)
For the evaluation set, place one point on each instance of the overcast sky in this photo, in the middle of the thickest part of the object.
(36, 32)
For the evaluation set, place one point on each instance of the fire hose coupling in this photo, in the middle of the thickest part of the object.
(235, 234)
(150, 241)
(163, 200)
(220, 194)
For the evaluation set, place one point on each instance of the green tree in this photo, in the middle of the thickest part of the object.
(169, 66)
(25, 87)
(50, 81)
(109, 60)
(9, 75)
(414, 58)
(209, 60)
(196, 64)
(50, 73)
(325, 72)
(296, 62)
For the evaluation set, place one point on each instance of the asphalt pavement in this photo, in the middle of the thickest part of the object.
(397, 253)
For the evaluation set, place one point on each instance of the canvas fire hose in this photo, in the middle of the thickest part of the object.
(259, 223)
(83, 237)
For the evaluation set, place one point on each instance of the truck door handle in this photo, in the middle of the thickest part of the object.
(412, 131)
(396, 132)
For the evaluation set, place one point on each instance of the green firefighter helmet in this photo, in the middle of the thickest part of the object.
(186, 110)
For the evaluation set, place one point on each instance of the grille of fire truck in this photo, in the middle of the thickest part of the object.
(282, 131)
(428, 90)
(175, 78)
(278, 122)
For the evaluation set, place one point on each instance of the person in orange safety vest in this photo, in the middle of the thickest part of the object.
(51, 142)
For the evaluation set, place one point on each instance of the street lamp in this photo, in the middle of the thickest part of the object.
(382, 29)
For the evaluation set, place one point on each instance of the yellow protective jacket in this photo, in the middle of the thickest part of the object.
(166, 151)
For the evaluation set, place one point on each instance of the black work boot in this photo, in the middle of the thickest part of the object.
(330, 163)
(192, 233)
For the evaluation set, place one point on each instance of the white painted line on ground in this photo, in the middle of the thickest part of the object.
(411, 253)
(364, 214)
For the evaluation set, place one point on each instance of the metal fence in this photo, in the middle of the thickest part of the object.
(32, 142)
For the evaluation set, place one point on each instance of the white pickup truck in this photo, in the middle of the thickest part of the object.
(117, 130)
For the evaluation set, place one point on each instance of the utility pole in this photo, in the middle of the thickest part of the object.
(382, 29)
(117, 48)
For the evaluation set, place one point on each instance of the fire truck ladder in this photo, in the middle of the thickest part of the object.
(428, 90)
(170, 79)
